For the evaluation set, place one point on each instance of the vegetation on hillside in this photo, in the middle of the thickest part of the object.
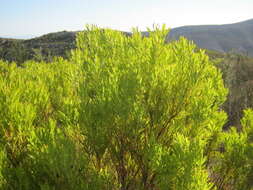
(43, 48)
(222, 38)
(121, 113)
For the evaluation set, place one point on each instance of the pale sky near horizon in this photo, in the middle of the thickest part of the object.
(24, 18)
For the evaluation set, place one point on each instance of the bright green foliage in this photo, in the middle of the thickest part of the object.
(183, 167)
(124, 112)
(146, 105)
(234, 167)
(39, 122)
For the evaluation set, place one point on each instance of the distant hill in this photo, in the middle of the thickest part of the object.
(236, 37)
(49, 45)
(44, 47)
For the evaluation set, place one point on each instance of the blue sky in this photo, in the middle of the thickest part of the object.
(24, 18)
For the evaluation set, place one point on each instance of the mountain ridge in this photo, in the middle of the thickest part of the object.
(236, 37)
(224, 38)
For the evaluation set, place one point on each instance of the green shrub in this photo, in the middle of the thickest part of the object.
(146, 105)
(38, 118)
(234, 166)
(124, 112)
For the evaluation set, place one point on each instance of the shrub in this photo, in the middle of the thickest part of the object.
(148, 108)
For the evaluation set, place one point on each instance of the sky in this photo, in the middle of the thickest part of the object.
(30, 18)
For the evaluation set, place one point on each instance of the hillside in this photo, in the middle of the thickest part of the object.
(46, 46)
(40, 48)
(236, 37)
